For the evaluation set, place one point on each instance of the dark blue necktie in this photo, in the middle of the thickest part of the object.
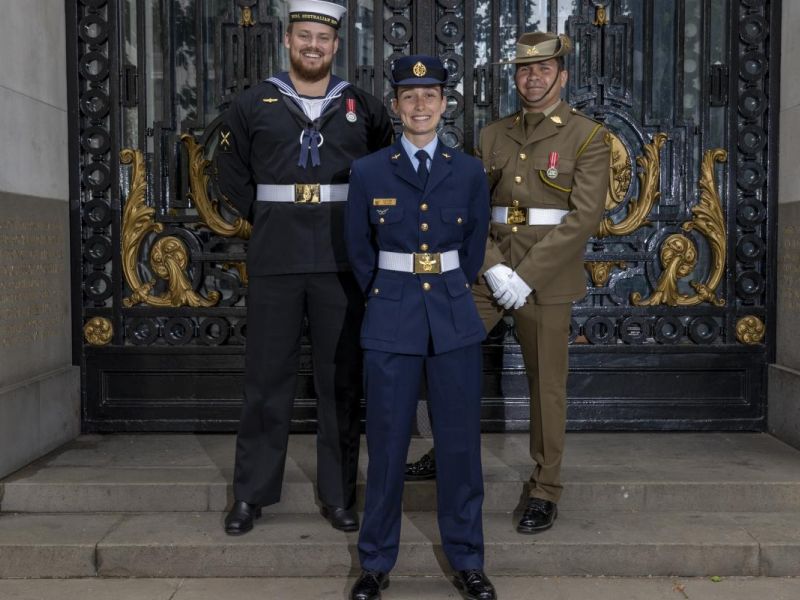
(422, 168)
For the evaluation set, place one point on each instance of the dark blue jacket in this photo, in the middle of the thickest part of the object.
(386, 210)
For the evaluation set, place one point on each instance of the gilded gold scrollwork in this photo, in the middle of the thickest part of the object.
(98, 331)
(750, 330)
(620, 172)
(679, 254)
(649, 184)
(247, 19)
(168, 257)
(240, 267)
(600, 270)
(209, 208)
(600, 16)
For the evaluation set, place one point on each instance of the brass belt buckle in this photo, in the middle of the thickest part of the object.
(306, 193)
(426, 263)
(517, 216)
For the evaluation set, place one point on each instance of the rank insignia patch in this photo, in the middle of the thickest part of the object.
(225, 138)
(269, 100)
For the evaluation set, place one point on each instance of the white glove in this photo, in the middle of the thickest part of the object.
(508, 288)
(520, 288)
(498, 278)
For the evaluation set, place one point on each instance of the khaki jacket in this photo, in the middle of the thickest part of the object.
(548, 257)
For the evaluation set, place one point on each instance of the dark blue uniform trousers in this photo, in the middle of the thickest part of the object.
(392, 383)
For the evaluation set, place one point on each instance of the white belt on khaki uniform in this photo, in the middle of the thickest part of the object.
(302, 193)
(420, 263)
(527, 216)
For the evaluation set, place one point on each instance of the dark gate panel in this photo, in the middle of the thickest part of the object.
(678, 325)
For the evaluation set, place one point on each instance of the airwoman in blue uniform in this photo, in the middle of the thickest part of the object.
(416, 225)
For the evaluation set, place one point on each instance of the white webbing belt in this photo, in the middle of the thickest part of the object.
(405, 261)
(536, 216)
(336, 192)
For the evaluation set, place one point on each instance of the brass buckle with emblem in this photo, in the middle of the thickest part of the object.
(306, 193)
(517, 216)
(426, 263)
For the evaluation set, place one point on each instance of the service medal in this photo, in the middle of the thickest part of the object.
(351, 111)
(552, 165)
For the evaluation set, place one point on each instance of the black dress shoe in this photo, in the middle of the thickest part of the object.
(368, 586)
(424, 468)
(539, 515)
(474, 585)
(343, 519)
(240, 519)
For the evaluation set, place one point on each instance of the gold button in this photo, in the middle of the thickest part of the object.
(516, 203)
(376, 291)
(459, 220)
(424, 227)
(514, 229)
(423, 247)
(426, 286)
(423, 206)
(381, 220)
(518, 179)
(522, 156)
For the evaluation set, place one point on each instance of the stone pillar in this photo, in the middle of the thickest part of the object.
(39, 387)
(784, 375)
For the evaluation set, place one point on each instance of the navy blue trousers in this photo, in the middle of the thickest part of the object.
(392, 383)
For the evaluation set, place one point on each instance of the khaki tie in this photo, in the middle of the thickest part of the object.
(532, 119)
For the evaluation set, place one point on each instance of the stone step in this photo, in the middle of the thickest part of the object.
(401, 588)
(610, 471)
(300, 545)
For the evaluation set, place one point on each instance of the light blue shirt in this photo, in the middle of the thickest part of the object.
(411, 150)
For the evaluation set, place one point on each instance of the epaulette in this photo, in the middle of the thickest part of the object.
(579, 113)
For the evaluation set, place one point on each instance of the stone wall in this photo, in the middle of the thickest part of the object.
(784, 377)
(39, 389)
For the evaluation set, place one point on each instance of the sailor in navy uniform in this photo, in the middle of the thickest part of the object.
(284, 155)
(416, 225)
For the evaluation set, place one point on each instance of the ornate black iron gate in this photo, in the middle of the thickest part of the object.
(678, 325)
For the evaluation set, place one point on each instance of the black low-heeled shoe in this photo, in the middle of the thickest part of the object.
(421, 470)
(474, 585)
(539, 515)
(240, 519)
(343, 519)
(368, 586)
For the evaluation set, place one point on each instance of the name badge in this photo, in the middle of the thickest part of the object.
(384, 201)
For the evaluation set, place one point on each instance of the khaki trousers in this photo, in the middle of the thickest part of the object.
(543, 333)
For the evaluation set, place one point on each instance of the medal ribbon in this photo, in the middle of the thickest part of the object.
(351, 105)
(552, 161)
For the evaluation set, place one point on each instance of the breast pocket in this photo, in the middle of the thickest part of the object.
(556, 186)
(383, 303)
(386, 215)
(455, 218)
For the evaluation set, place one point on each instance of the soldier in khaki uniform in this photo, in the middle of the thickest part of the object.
(548, 172)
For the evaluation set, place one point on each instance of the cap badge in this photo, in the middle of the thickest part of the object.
(532, 51)
(419, 69)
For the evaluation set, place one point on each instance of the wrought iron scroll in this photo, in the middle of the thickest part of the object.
(168, 255)
(679, 253)
(649, 186)
(207, 207)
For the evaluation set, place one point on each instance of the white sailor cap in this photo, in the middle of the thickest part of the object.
(316, 11)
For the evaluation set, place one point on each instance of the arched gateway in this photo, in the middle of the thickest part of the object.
(679, 323)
